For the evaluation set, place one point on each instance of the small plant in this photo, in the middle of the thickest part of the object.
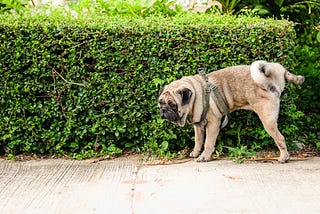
(11, 157)
(240, 153)
(228, 6)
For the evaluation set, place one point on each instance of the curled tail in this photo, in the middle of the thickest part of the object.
(271, 76)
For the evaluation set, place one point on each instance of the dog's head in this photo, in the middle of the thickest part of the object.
(175, 102)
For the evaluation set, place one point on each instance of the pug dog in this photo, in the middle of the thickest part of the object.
(255, 87)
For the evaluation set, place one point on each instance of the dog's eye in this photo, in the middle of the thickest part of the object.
(160, 102)
(172, 105)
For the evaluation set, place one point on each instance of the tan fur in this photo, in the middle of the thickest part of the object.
(242, 87)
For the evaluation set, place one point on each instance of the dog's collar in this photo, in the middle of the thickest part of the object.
(214, 88)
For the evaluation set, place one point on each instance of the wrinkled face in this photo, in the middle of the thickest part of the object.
(173, 103)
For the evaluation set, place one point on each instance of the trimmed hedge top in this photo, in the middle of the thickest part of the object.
(89, 86)
(198, 20)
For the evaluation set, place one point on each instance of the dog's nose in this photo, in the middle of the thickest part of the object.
(164, 109)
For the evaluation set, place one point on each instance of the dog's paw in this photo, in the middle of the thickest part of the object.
(203, 158)
(194, 154)
(284, 157)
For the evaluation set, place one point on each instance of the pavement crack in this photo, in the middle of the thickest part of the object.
(133, 187)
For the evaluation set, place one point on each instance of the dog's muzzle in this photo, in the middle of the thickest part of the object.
(167, 113)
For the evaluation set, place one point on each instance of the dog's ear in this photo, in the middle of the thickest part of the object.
(186, 94)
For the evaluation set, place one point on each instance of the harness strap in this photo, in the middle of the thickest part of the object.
(214, 88)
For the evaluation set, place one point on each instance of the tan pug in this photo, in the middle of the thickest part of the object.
(255, 87)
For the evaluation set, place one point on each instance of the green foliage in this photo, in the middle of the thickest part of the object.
(307, 52)
(15, 5)
(87, 87)
(278, 8)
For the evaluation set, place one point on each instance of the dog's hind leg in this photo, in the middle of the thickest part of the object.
(268, 114)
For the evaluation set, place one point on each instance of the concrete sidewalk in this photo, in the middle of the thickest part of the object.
(124, 185)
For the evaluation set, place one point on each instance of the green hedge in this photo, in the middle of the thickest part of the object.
(89, 87)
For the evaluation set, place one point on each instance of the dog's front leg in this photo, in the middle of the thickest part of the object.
(199, 140)
(212, 131)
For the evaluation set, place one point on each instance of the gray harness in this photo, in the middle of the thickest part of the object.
(210, 87)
